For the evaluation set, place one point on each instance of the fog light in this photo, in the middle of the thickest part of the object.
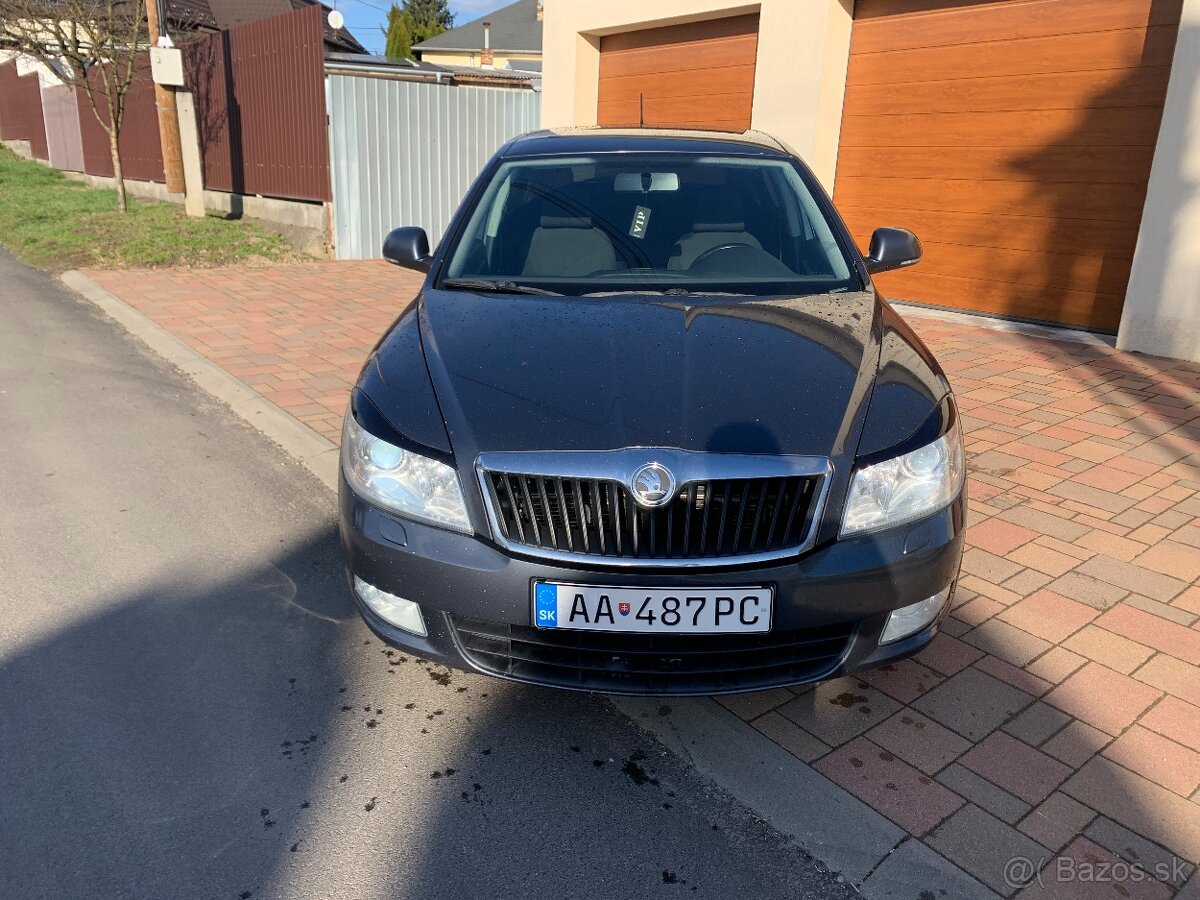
(911, 619)
(404, 614)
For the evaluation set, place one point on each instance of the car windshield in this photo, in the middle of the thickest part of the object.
(657, 222)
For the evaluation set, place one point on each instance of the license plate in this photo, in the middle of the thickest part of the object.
(724, 610)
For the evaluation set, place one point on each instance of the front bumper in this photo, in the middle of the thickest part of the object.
(841, 591)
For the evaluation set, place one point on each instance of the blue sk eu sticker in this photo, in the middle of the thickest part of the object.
(546, 605)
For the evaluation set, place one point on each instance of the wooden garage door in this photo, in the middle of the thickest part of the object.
(1015, 138)
(699, 75)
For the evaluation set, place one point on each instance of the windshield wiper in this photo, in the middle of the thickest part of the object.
(669, 292)
(500, 287)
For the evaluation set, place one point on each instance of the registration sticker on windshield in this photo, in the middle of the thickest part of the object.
(641, 219)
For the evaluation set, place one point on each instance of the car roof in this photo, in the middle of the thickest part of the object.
(567, 141)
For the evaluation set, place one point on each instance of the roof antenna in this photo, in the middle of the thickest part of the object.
(641, 110)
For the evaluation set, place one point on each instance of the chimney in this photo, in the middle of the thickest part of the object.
(487, 58)
(541, 10)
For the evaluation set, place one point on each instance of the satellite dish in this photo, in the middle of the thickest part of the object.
(336, 19)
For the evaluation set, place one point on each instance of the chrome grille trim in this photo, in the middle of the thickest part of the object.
(615, 468)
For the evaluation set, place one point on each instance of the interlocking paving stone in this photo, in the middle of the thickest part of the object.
(1131, 577)
(983, 793)
(1134, 848)
(752, 705)
(1160, 759)
(1174, 559)
(982, 845)
(1057, 821)
(1021, 679)
(973, 703)
(999, 537)
(1049, 616)
(905, 680)
(1056, 664)
(948, 655)
(1076, 743)
(1086, 589)
(1169, 611)
(988, 566)
(1138, 804)
(913, 801)
(790, 736)
(1016, 767)
(1108, 648)
(919, 741)
(1169, 637)
(836, 711)
(1175, 719)
(1044, 523)
(1007, 642)
(1086, 871)
(1037, 724)
(1173, 676)
(1101, 697)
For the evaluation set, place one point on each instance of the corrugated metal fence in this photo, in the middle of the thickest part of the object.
(60, 109)
(141, 149)
(405, 153)
(21, 109)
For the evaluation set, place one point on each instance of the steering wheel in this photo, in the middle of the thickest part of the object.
(712, 251)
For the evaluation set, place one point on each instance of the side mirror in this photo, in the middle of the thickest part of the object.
(408, 247)
(892, 248)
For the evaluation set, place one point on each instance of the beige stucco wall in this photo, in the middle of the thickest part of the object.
(1162, 306)
(471, 58)
(800, 79)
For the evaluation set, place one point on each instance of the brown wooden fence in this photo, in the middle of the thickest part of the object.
(141, 151)
(260, 106)
(259, 94)
(21, 109)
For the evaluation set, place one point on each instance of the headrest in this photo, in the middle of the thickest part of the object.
(566, 222)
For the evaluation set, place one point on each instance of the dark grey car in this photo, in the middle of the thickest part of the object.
(648, 428)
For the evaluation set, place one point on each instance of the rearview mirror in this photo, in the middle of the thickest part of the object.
(892, 248)
(408, 247)
(645, 182)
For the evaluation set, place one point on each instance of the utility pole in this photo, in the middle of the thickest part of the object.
(168, 115)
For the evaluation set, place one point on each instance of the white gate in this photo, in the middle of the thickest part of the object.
(405, 152)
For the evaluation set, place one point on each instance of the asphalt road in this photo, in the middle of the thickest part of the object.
(190, 708)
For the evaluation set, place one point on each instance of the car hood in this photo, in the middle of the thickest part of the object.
(777, 375)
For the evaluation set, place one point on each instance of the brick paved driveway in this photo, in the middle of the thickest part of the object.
(1057, 714)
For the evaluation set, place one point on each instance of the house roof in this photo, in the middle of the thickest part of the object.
(513, 28)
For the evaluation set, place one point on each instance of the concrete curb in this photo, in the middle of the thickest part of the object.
(316, 453)
(828, 822)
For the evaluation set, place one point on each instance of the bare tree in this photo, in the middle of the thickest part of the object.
(92, 44)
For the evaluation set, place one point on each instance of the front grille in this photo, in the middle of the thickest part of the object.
(713, 519)
(652, 663)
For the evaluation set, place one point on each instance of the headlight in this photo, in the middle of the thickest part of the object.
(401, 481)
(905, 488)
